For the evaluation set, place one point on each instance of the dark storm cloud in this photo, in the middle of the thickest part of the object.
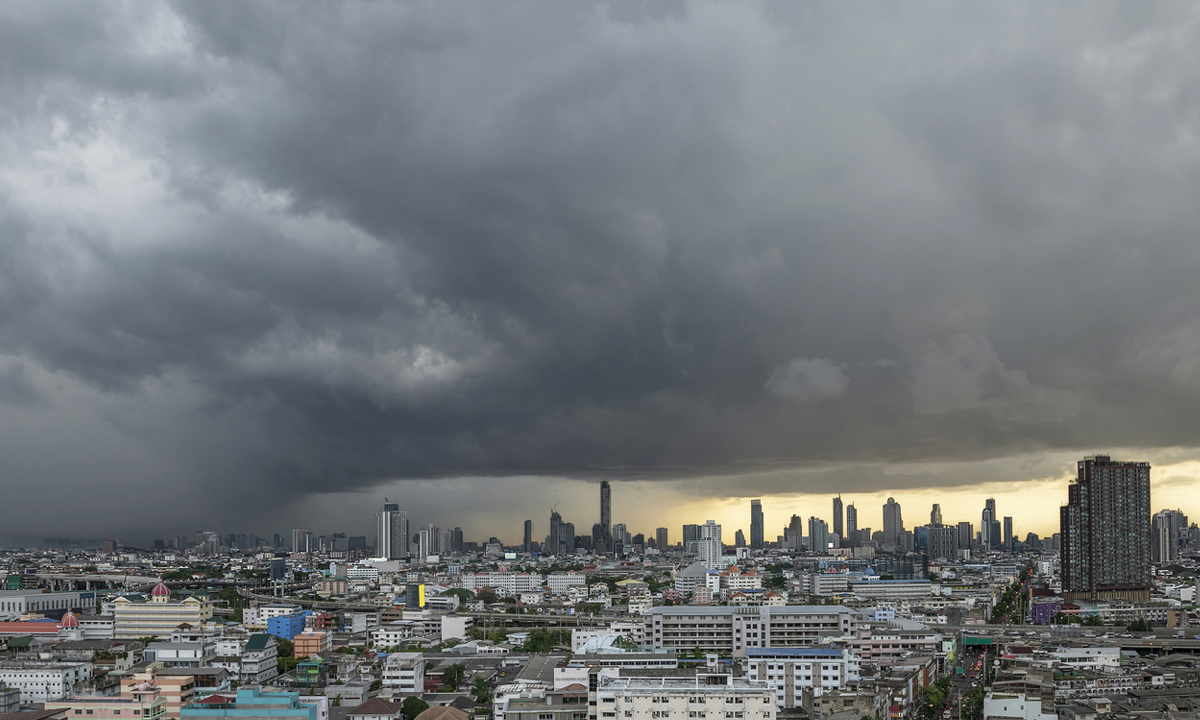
(279, 249)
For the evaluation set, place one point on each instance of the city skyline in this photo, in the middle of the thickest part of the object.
(733, 514)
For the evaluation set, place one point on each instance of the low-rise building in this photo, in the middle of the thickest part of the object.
(311, 642)
(736, 629)
(644, 698)
(43, 681)
(141, 701)
(404, 673)
(1016, 706)
(791, 671)
(252, 704)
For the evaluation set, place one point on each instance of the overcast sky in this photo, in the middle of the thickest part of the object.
(262, 264)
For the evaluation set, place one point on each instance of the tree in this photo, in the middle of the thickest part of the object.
(413, 706)
(462, 594)
(481, 690)
(454, 675)
(543, 640)
(376, 685)
(487, 595)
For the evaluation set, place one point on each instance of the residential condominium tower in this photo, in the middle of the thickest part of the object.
(1105, 546)
(756, 524)
(709, 546)
(893, 523)
(605, 516)
(837, 517)
(391, 532)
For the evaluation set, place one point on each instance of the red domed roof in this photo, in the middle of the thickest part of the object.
(161, 590)
(69, 620)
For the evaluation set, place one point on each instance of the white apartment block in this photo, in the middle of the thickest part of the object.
(270, 610)
(405, 673)
(791, 671)
(503, 583)
(360, 574)
(43, 681)
(892, 589)
(736, 629)
(391, 634)
(679, 698)
(559, 582)
(1014, 705)
(14, 603)
(889, 646)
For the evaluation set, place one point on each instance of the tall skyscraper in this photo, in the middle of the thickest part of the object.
(935, 515)
(691, 533)
(942, 542)
(709, 545)
(893, 523)
(556, 541)
(1165, 533)
(966, 534)
(838, 529)
(605, 515)
(818, 536)
(299, 540)
(739, 539)
(1009, 543)
(391, 532)
(756, 524)
(661, 539)
(851, 523)
(527, 541)
(793, 534)
(989, 526)
(1105, 546)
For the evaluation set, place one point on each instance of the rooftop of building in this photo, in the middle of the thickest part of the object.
(696, 684)
(793, 652)
(774, 610)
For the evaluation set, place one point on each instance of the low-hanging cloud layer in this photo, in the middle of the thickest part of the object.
(257, 252)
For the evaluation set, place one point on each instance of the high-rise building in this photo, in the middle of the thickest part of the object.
(942, 542)
(838, 529)
(557, 540)
(739, 539)
(527, 538)
(598, 538)
(391, 532)
(989, 526)
(605, 516)
(793, 534)
(851, 523)
(935, 515)
(1165, 532)
(756, 524)
(691, 533)
(709, 545)
(1105, 546)
(299, 540)
(966, 534)
(818, 535)
(661, 539)
(1008, 533)
(893, 523)
(425, 541)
